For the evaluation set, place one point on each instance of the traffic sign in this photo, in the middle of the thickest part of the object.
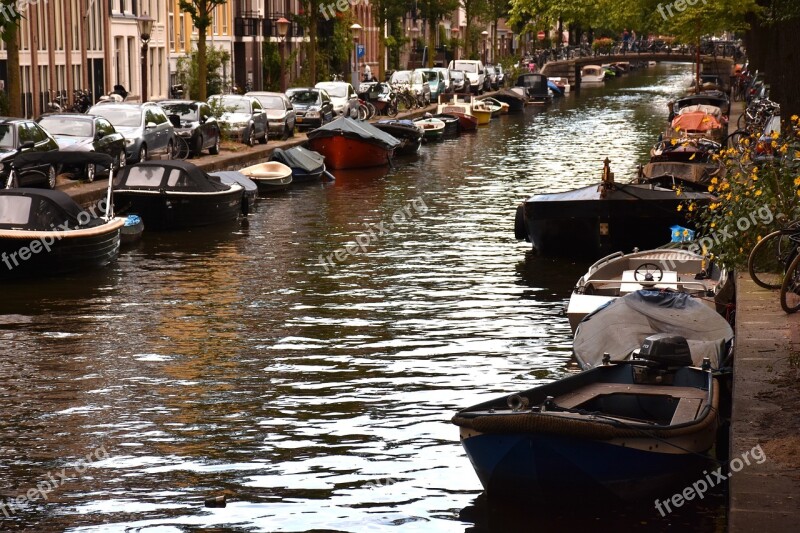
(361, 50)
(540, 35)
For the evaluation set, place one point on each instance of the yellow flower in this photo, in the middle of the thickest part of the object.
(758, 192)
(713, 180)
(774, 134)
(710, 188)
(680, 206)
(713, 224)
(797, 181)
(673, 142)
(795, 118)
(691, 207)
(784, 148)
(678, 192)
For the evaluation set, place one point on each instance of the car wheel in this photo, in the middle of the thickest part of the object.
(214, 150)
(250, 138)
(285, 134)
(90, 172)
(265, 138)
(142, 154)
(197, 149)
(51, 177)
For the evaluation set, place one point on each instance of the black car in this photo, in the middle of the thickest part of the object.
(194, 122)
(22, 135)
(312, 106)
(75, 132)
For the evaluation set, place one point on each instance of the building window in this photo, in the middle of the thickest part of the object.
(171, 26)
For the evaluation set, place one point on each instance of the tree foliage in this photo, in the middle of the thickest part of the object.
(189, 72)
(201, 12)
(9, 25)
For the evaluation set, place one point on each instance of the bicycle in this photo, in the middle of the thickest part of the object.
(181, 149)
(790, 288)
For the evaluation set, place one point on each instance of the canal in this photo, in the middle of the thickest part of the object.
(307, 379)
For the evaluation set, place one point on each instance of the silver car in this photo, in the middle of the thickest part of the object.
(243, 116)
(281, 116)
(146, 128)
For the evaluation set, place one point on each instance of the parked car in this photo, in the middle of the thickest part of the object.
(146, 128)
(420, 86)
(435, 81)
(490, 77)
(475, 73)
(18, 135)
(243, 116)
(448, 81)
(195, 123)
(501, 76)
(313, 106)
(343, 97)
(400, 77)
(460, 81)
(76, 132)
(281, 117)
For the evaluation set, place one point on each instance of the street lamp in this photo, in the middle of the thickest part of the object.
(485, 37)
(355, 28)
(283, 28)
(414, 44)
(145, 25)
(454, 33)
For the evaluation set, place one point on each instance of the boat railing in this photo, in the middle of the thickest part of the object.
(689, 284)
(603, 261)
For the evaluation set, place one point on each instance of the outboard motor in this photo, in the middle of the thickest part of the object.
(667, 350)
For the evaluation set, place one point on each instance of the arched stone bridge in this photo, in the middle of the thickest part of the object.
(571, 68)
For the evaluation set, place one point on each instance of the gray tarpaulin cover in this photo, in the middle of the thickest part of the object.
(348, 127)
(620, 326)
(299, 157)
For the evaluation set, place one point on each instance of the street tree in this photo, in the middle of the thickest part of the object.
(201, 12)
(9, 25)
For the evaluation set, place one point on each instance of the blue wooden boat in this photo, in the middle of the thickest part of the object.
(621, 431)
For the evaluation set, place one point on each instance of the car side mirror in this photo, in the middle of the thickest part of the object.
(26, 145)
(150, 125)
(203, 120)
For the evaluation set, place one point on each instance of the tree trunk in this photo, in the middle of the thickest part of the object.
(381, 50)
(202, 62)
(11, 37)
(312, 44)
(494, 41)
(468, 19)
(433, 28)
(782, 66)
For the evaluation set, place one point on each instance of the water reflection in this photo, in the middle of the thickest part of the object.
(234, 362)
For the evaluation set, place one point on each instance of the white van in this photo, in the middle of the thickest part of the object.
(475, 73)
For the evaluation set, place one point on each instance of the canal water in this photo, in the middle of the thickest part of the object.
(306, 366)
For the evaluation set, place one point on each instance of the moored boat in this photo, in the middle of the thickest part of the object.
(515, 101)
(306, 165)
(172, 194)
(623, 431)
(464, 104)
(669, 269)
(348, 143)
(533, 87)
(432, 128)
(452, 125)
(592, 74)
(406, 131)
(599, 219)
(269, 177)
(46, 233)
(250, 194)
(561, 83)
(504, 107)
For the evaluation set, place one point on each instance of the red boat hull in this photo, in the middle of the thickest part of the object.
(343, 152)
(466, 122)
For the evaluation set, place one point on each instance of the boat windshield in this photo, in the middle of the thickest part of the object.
(466, 66)
(70, 127)
(146, 176)
(6, 136)
(15, 210)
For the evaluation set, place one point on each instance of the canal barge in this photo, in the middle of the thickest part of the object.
(347, 143)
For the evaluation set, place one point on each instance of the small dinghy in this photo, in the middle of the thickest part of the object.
(407, 132)
(270, 177)
(621, 431)
(514, 100)
(504, 107)
(432, 128)
(451, 124)
(306, 165)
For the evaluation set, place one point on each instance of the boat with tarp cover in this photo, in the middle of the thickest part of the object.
(624, 430)
(348, 143)
(306, 164)
(176, 194)
(46, 233)
(406, 131)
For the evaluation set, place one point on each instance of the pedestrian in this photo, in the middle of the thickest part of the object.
(367, 72)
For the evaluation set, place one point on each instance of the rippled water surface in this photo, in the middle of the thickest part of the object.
(315, 395)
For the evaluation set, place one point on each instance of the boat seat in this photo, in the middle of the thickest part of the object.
(583, 395)
(686, 411)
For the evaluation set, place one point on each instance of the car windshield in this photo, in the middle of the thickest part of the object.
(416, 78)
(6, 136)
(336, 90)
(303, 97)
(271, 102)
(457, 75)
(187, 111)
(433, 76)
(120, 116)
(71, 126)
(467, 67)
(235, 105)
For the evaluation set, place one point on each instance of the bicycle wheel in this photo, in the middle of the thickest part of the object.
(391, 108)
(362, 112)
(741, 122)
(371, 110)
(790, 289)
(734, 140)
(180, 149)
(768, 259)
